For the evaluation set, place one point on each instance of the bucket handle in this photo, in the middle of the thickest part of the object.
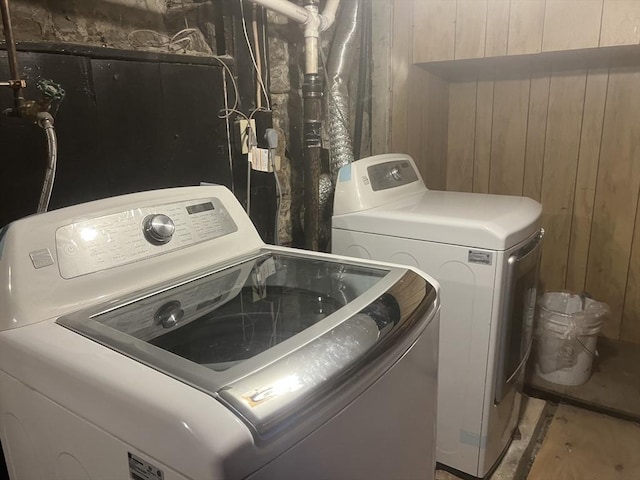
(584, 347)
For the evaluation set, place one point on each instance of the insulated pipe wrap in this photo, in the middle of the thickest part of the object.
(339, 67)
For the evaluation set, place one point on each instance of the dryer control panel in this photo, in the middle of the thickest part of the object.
(375, 181)
(111, 240)
(391, 174)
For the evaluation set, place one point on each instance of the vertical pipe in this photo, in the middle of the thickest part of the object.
(312, 95)
(12, 55)
(312, 92)
(363, 75)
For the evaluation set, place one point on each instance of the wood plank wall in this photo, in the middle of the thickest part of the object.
(568, 136)
(463, 29)
(419, 103)
(571, 140)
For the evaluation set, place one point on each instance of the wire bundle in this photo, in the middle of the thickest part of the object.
(180, 41)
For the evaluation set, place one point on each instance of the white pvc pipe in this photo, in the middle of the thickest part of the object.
(313, 22)
(329, 14)
(311, 54)
(286, 8)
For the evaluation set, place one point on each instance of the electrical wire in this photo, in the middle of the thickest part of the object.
(276, 235)
(167, 41)
(226, 121)
(251, 142)
(256, 42)
(253, 58)
(181, 40)
(265, 54)
(271, 136)
(248, 186)
(226, 112)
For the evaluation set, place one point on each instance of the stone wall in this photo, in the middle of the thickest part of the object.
(126, 24)
(285, 48)
(150, 25)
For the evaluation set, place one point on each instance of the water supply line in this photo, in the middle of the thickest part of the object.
(314, 23)
(45, 121)
(34, 111)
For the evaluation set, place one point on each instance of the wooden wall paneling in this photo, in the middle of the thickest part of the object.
(484, 123)
(588, 160)
(526, 19)
(417, 93)
(435, 117)
(401, 55)
(435, 29)
(571, 24)
(616, 195)
(497, 28)
(564, 119)
(509, 134)
(461, 135)
(620, 23)
(381, 75)
(536, 134)
(471, 23)
(630, 329)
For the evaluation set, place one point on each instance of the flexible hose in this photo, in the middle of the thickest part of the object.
(45, 120)
(339, 69)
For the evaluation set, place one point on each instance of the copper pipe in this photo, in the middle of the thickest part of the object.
(12, 55)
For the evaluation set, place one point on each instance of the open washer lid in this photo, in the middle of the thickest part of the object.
(270, 335)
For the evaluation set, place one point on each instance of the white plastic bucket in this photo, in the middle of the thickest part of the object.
(566, 336)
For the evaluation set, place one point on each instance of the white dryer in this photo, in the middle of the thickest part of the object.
(485, 251)
(155, 336)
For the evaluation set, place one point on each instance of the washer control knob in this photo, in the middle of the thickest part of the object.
(158, 228)
(169, 314)
(395, 173)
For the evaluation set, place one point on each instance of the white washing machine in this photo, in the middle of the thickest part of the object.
(154, 336)
(485, 252)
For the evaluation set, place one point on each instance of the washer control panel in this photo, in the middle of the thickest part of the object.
(120, 238)
(391, 174)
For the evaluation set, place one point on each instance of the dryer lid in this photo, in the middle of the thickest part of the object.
(270, 335)
(494, 222)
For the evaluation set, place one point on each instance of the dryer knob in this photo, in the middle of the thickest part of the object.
(169, 314)
(395, 173)
(158, 228)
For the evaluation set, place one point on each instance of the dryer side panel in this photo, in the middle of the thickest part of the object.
(467, 277)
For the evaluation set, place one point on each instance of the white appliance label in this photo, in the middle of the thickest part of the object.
(478, 256)
(140, 469)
